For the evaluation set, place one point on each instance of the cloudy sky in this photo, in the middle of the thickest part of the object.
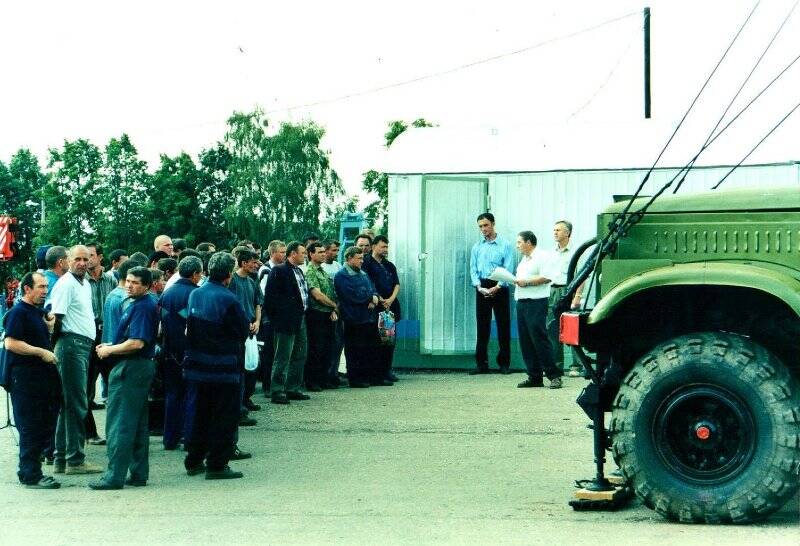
(169, 73)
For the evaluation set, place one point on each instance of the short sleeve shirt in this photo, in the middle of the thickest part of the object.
(72, 298)
(317, 278)
(248, 292)
(139, 321)
(25, 323)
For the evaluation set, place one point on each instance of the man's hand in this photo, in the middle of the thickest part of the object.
(254, 327)
(521, 282)
(334, 316)
(576, 302)
(103, 351)
(484, 292)
(48, 357)
(50, 320)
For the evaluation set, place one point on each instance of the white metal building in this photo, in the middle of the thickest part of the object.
(440, 180)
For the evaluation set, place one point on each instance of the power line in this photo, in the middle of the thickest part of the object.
(454, 69)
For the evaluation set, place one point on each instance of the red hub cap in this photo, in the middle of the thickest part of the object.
(703, 432)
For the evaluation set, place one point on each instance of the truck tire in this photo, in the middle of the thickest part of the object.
(706, 428)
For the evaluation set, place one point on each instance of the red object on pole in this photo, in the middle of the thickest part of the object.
(8, 242)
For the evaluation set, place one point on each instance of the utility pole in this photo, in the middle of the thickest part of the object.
(646, 63)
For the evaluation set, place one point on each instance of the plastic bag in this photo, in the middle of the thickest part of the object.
(251, 354)
(386, 327)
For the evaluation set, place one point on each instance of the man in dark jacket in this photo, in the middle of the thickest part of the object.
(383, 275)
(286, 301)
(216, 328)
(174, 310)
(357, 303)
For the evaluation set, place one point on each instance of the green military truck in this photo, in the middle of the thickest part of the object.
(693, 346)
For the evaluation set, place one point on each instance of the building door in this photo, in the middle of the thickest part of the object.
(450, 207)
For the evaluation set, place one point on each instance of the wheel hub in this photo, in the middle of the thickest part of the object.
(704, 433)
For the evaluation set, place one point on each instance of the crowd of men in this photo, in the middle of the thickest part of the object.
(181, 325)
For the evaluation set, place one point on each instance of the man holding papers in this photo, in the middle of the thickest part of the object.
(533, 290)
(491, 296)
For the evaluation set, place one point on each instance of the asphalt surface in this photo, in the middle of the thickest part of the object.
(438, 458)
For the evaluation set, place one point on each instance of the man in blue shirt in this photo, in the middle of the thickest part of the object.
(35, 384)
(128, 386)
(490, 296)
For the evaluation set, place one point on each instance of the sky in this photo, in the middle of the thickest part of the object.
(170, 73)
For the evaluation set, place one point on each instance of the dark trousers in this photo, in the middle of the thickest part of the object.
(533, 340)
(97, 367)
(321, 336)
(127, 420)
(553, 325)
(35, 417)
(484, 307)
(360, 348)
(214, 424)
(385, 356)
(175, 408)
(266, 356)
(336, 352)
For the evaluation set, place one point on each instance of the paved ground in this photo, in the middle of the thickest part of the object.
(439, 458)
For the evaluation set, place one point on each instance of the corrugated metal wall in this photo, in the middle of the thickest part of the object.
(522, 201)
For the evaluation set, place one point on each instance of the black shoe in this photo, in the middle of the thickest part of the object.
(358, 385)
(478, 371)
(45, 482)
(224, 474)
(297, 396)
(505, 370)
(95, 406)
(251, 406)
(330, 386)
(381, 383)
(246, 421)
(197, 469)
(313, 388)
(392, 377)
(136, 483)
(279, 398)
(555, 383)
(530, 383)
(239, 455)
(102, 485)
(96, 441)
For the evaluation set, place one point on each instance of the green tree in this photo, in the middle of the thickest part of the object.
(377, 183)
(173, 198)
(214, 195)
(23, 200)
(283, 184)
(69, 193)
(120, 201)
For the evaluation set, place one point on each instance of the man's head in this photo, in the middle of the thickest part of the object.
(78, 260)
(316, 253)
(34, 288)
(354, 257)
(95, 255)
(526, 242)
(486, 224)
(296, 253)
(116, 257)
(164, 244)
(277, 252)
(364, 242)
(138, 281)
(331, 250)
(123, 269)
(168, 266)
(380, 247)
(191, 268)
(246, 260)
(139, 258)
(157, 281)
(41, 256)
(206, 247)
(220, 267)
(155, 256)
(178, 245)
(562, 232)
(56, 260)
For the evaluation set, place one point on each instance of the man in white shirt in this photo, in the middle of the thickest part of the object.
(74, 335)
(562, 230)
(532, 293)
(274, 255)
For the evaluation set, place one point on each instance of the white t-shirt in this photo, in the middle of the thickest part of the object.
(331, 268)
(172, 280)
(539, 263)
(73, 299)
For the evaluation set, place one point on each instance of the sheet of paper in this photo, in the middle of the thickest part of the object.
(501, 274)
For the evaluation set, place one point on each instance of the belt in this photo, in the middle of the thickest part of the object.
(557, 285)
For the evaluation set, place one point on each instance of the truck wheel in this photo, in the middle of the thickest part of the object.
(706, 428)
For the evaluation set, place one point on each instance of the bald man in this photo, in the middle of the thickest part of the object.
(164, 244)
(73, 337)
